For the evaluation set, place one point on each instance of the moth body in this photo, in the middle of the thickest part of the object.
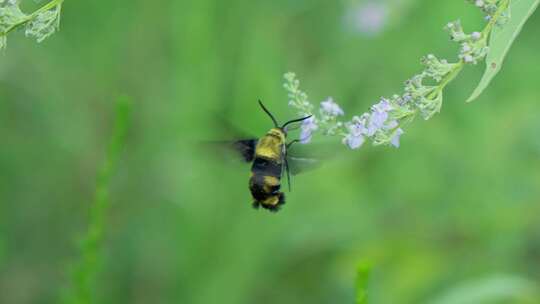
(266, 171)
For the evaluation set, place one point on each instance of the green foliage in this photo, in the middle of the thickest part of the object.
(501, 39)
(39, 25)
(86, 267)
(44, 23)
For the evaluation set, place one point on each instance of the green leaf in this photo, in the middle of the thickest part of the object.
(494, 289)
(362, 279)
(501, 40)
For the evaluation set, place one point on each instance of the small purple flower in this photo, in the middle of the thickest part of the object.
(358, 127)
(395, 139)
(353, 142)
(391, 125)
(379, 115)
(376, 122)
(329, 107)
(383, 106)
(357, 131)
(308, 127)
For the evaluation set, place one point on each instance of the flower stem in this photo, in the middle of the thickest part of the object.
(502, 7)
(448, 78)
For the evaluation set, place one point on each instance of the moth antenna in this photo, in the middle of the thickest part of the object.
(269, 114)
(296, 120)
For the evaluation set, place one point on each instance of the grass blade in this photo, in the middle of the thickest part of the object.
(362, 279)
(86, 267)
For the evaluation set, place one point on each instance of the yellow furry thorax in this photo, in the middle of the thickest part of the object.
(270, 146)
(277, 132)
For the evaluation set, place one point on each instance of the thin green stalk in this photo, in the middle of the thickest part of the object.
(85, 268)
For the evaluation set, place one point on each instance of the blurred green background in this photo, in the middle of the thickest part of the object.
(451, 215)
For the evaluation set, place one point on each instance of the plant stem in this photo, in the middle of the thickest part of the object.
(448, 78)
(502, 7)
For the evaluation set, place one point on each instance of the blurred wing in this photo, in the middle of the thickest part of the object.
(302, 158)
(301, 164)
(245, 147)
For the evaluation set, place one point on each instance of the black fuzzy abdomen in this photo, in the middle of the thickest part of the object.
(260, 188)
(266, 167)
(265, 183)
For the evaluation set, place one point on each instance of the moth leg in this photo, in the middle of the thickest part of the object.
(287, 162)
(292, 142)
(288, 173)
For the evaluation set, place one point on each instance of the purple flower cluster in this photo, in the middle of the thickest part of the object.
(308, 127)
(375, 124)
(330, 108)
(422, 95)
(329, 111)
(380, 124)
